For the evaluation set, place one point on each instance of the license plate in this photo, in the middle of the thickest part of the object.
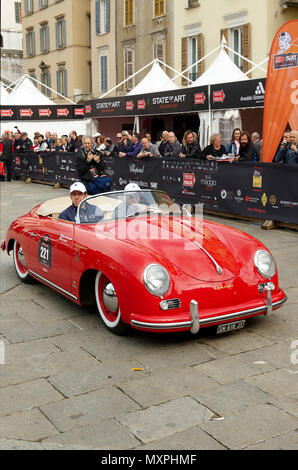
(237, 325)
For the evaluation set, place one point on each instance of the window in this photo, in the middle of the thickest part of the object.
(89, 29)
(30, 43)
(193, 3)
(159, 8)
(60, 33)
(236, 45)
(90, 76)
(45, 79)
(159, 51)
(128, 67)
(17, 7)
(192, 52)
(32, 75)
(29, 6)
(1, 41)
(62, 81)
(43, 4)
(102, 16)
(44, 39)
(193, 57)
(104, 82)
(128, 12)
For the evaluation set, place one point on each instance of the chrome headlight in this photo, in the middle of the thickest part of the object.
(265, 264)
(156, 280)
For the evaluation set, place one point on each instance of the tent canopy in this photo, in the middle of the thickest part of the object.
(222, 70)
(156, 80)
(26, 94)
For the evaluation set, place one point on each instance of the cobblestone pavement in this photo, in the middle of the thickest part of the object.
(68, 382)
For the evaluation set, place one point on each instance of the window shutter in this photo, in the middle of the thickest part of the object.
(225, 33)
(200, 53)
(57, 34)
(65, 83)
(58, 81)
(246, 45)
(27, 45)
(41, 40)
(97, 16)
(47, 39)
(107, 18)
(184, 59)
(26, 6)
(63, 33)
(40, 4)
(33, 43)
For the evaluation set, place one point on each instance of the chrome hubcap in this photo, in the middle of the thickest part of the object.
(110, 299)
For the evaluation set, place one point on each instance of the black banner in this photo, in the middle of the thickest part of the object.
(45, 113)
(237, 95)
(170, 102)
(258, 190)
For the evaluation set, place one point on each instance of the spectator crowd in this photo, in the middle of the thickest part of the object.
(242, 147)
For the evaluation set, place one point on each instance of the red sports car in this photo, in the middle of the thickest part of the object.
(145, 264)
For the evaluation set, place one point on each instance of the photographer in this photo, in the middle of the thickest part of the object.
(148, 150)
(91, 169)
(287, 152)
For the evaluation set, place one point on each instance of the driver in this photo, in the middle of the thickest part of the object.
(88, 213)
(131, 205)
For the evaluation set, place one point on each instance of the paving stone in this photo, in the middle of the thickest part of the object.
(163, 420)
(288, 441)
(19, 307)
(160, 388)
(229, 398)
(28, 426)
(22, 371)
(20, 331)
(277, 355)
(61, 362)
(26, 396)
(232, 368)
(73, 383)
(42, 315)
(250, 426)
(238, 341)
(292, 295)
(18, 351)
(13, 444)
(287, 403)
(88, 408)
(192, 438)
(107, 434)
(278, 383)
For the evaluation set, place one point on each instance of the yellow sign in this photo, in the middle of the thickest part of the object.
(264, 199)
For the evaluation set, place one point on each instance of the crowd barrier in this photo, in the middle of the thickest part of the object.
(259, 190)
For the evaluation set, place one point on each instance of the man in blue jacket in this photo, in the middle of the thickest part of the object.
(133, 150)
(288, 152)
(88, 213)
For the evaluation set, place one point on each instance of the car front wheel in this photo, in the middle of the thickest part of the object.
(108, 305)
(20, 263)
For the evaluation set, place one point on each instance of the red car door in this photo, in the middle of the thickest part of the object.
(50, 252)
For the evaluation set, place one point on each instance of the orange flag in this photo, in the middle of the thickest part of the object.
(281, 98)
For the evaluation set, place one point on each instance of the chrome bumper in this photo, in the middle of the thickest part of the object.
(196, 323)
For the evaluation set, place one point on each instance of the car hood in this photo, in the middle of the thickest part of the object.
(177, 241)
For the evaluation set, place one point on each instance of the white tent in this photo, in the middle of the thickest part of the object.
(155, 81)
(222, 70)
(26, 94)
(4, 95)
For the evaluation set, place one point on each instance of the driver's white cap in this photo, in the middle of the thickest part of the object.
(78, 187)
(132, 187)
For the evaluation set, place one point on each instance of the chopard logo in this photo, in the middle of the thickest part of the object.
(134, 169)
(228, 286)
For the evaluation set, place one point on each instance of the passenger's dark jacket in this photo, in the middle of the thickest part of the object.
(210, 150)
(26, 145)
(86, 170)
(88, 213)
(161, 147)
(7, 150)
(286, 155)
(192, 150)
(74, 146)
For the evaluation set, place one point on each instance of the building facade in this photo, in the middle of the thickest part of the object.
(57, 46)
(11, 41)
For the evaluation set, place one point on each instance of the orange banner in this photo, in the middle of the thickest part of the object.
(281, 97)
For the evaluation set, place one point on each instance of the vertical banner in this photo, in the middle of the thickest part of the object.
(281, 87)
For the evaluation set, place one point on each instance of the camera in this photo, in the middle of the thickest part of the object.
(96, 152)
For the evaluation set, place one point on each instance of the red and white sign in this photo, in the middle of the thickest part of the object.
(6, 113)
(62, 112)
(200, 98)
(45, 112)
(88, 109)
(218, 96)
(141, 104)
(79, 112)
(189, 180)
(26, 112)
(129, 105)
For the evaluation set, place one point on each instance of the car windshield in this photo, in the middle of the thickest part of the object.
(125, 205)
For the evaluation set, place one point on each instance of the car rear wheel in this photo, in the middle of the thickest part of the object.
(108, 305)
(20, 263)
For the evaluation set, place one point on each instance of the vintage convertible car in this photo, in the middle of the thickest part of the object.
(145, 264)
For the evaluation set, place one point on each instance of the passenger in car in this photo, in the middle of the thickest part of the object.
(88, 213)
